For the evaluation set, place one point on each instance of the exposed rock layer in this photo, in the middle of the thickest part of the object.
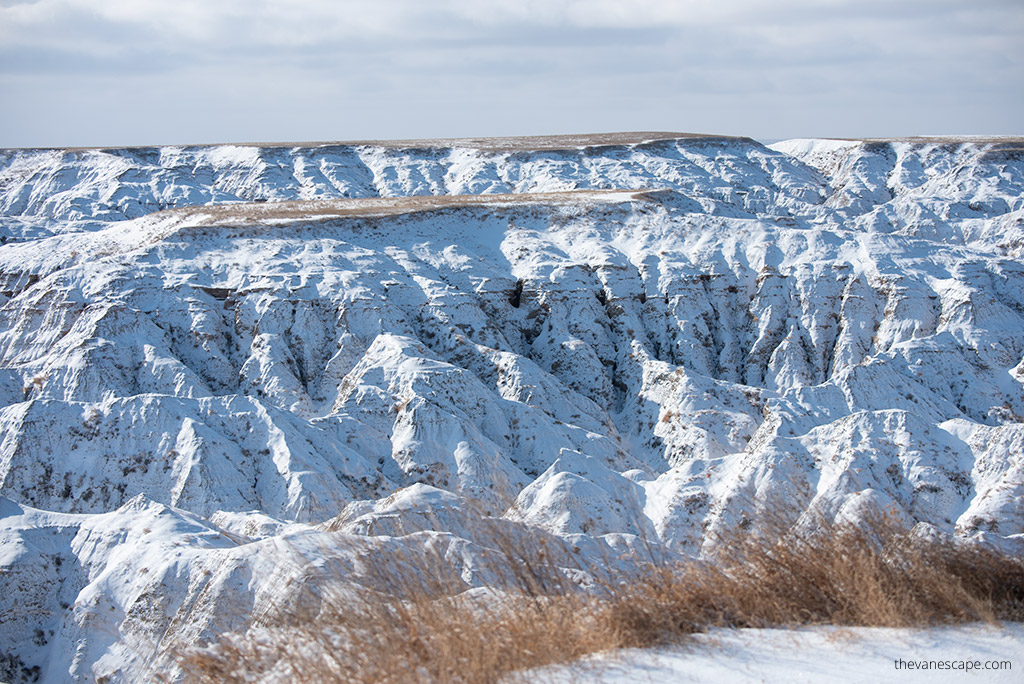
(678, 333)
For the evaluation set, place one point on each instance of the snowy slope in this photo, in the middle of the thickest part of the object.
(666, 335)
(816, 655)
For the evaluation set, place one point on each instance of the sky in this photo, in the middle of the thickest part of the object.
(138, 72)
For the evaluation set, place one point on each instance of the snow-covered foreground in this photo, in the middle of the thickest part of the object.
(818, 655)
(628, 342)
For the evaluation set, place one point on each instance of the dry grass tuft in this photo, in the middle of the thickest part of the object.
(873, 574)
(419, 624)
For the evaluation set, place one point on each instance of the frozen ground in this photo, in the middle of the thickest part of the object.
(819, 655)
(628, 341)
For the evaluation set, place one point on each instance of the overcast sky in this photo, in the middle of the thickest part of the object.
(119, 72)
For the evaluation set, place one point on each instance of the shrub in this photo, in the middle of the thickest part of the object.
(420, 624)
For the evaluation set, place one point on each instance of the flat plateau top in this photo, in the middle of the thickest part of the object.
(511, 143)
(320, 209)
(526, 142)
(540, 143)
(934, 139)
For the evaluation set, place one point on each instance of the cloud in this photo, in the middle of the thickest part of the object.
(505, 67)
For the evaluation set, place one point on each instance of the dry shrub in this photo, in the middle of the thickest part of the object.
(419, 624)
(383, 640)
(872, 574)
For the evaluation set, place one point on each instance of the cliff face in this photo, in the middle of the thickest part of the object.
(666, 336)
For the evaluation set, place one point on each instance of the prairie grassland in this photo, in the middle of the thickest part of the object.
(418, 626)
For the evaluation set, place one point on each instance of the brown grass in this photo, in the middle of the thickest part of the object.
(247, 213)
(416, 626)
(523, 143)
(873, 575)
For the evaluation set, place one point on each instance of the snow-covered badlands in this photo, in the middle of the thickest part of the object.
(625, 340)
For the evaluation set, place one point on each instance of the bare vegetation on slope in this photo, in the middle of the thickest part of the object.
(521, 143)
(246, 213)
(415, 627)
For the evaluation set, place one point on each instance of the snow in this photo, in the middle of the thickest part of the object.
(812, 655)
(798, 147)
(282, 347)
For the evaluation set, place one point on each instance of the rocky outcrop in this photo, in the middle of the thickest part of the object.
(678, 334)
